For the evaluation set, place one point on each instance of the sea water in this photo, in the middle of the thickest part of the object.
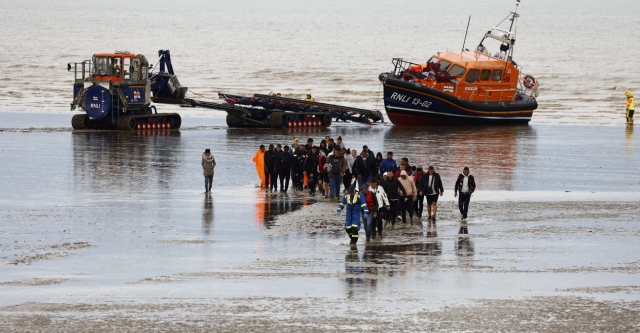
(581, 52)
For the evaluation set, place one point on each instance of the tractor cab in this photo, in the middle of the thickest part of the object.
(119, 67)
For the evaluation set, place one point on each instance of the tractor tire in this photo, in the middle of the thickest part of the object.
(126, 123)
(176, 122)
(377, 116)
(80, 121)
(234, 120)
(275, 120)
(326, 120)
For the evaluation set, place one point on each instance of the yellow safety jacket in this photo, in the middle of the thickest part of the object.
(631, 104)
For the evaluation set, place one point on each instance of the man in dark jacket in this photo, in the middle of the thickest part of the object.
(270, 169)
(285, 163)
(391, 186)
(466, 185)
(431, 186)
(336, 173)
(299, 159)
(364, 167)
(311, 169)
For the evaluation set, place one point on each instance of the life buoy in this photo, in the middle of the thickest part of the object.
(529, 81)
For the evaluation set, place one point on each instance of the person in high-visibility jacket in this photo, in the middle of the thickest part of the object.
(309, 98)
(355, 204)
(631, 106)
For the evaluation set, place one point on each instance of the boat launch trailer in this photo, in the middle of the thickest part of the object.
(118, 90)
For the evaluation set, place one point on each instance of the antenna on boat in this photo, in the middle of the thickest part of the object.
(465, 34)
(515, 15)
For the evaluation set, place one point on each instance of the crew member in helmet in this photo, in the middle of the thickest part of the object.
(309, 98)
(631, 106)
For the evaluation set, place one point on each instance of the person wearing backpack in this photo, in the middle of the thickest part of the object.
(338, 169)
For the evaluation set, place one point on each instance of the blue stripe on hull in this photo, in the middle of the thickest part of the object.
(419, 109)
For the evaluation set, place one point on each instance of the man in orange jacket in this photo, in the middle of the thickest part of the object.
(258, 159)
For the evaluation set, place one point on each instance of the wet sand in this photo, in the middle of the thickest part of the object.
(111, 232)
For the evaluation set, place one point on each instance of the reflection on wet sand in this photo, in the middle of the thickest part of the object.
(268, 206)
(464, 244)
(433, 247)
(380, 259)
(496, 149)
(207, 215)
(629, 140)
(128, 161)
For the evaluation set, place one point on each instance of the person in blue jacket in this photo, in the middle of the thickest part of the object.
(388, 165)
(354, 203)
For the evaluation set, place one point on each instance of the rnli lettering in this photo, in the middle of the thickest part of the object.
(95, 106)
(408, 100)
(400, 97)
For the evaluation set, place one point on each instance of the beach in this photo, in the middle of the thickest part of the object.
(112, 231)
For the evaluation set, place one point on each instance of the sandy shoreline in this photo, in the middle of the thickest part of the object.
(594, 307)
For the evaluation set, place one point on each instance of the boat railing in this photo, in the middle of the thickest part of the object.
(400, 66)
(501, 91)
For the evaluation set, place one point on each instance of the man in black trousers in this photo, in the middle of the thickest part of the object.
(270, 169)
(466, 185)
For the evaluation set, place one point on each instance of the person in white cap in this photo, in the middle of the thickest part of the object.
(411, 194)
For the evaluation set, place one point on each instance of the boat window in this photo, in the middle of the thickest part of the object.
(473, 75)
(485, 75)
(456, 70)
(444, 65)
(496, 75)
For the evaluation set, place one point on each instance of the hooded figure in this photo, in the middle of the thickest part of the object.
(354, 203)
(631, 106)
(208, 164)
(258, 159)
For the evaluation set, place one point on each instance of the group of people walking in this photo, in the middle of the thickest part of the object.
(386, 198)
(377, 190)
(326, 167)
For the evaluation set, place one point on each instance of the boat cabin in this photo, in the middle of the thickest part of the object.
(469, 75)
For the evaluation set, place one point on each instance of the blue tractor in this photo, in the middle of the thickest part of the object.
(116, 90)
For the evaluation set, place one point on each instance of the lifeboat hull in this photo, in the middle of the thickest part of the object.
(411, 104)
